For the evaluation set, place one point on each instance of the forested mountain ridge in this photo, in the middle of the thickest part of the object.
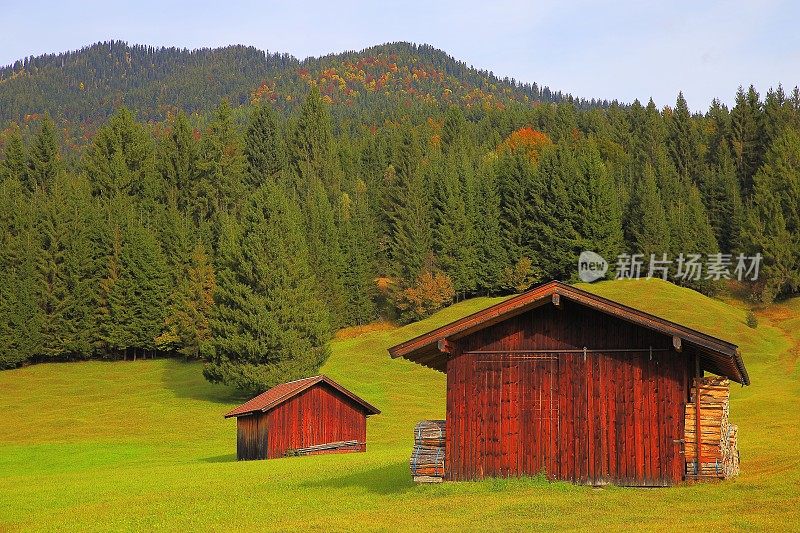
(244, 235)
(84, 87)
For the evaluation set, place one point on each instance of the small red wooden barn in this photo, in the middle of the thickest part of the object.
(310, 415)
(562, 381)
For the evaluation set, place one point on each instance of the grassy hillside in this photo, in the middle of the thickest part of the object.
(143, 445)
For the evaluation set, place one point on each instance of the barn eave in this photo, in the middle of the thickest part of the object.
(717, 355)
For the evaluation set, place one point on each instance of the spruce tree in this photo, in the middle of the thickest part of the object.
(773, 218)
(410, 237)
(121, 159)
(312, 152)
(20, 315)
(452, 228)
(135, 290)
(647, 221)
(492, 253)
(594, 200)
(454, 129)
(264, 149)
(268, 324)
(14, 164)
(683, 142)
(325, 254)
(222, 162)
(722, 199)
(745, 135)
(186, 327)
(66, 269)
(359, 250)
(178, 161)
(766, 233)
(514, 173)
(44, 157)
(552, 238)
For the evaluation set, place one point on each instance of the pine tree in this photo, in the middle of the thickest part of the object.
(268, 325)
(264, 149)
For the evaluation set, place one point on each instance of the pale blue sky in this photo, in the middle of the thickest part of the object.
(606, 49)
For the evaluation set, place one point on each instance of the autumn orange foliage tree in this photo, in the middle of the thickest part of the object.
(527, 140)
(430, 292)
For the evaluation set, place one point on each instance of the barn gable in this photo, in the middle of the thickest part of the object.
(433, 349)
(286, 391)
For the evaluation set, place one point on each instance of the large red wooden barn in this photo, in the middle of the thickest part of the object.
(311, 415)
(561, 381)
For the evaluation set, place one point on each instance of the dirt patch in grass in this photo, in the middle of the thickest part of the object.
(357, 331)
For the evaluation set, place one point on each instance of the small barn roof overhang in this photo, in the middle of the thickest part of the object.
(431, 349)
(285, 391)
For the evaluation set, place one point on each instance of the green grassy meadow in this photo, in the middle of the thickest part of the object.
(143, 446)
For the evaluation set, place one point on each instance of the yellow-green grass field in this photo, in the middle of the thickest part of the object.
(143, 446)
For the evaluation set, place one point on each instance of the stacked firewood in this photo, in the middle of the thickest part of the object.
(719, 452)
(427, 459)
(339, 446)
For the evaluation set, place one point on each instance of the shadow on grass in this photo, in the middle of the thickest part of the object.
(186, 380)
(227, 458)
(385, 479)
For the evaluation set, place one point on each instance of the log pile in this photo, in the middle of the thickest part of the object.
(719, 452)
(340, 446)
(427, 459)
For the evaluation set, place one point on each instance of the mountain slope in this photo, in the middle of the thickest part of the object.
(84, 86)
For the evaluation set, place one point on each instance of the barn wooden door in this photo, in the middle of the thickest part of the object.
(594, 418)
(635, 404)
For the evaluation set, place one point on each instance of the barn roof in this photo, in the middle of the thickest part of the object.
(718, 356)
(285, 391)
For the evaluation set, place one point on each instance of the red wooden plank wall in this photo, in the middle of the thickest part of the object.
(607, 418)
(318, 415)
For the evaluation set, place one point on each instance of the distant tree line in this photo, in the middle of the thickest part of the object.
(246, 243)
(83, 88)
